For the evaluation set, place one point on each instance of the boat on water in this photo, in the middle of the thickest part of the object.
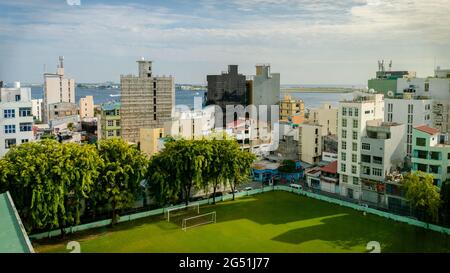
(114, 95)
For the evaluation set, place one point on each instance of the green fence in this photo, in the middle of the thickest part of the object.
(226, 197)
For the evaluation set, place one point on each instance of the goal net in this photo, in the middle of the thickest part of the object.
(181, 211)
(202, 219)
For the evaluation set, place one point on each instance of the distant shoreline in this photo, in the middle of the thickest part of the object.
(318, 90)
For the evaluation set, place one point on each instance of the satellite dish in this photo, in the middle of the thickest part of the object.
(371, 90)
(390, 93)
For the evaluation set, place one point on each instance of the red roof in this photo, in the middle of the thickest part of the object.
(427, 129)
(330, 168)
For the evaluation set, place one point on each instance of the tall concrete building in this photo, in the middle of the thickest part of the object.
(382, 153)
(16, 120)
(87, 107)
(108, 121)
(264, 90)
(327, 116)
(229, 88)
(353, 116)
(57, 89)
(37, 105)
(292, 110)
(147, 101)
(409, 110)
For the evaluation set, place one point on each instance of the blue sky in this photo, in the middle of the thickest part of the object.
(307, 41)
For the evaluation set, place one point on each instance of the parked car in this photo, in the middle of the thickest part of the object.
(248, 189)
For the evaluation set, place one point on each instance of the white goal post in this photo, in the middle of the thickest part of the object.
(194, 207)
(199, 220)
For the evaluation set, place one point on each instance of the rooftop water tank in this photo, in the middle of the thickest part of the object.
(16, 84)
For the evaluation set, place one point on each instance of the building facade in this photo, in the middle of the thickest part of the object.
(149, 140)
(16, 120)
(292, 110)
(264, 90)
(37, 106)
(411, 111)
(431, 153)
(57, 89)
(310, 142)
(108, 122)
(147, 101)
(87, 107)
(227, 89)
(327, 116)
(382, 152)
(353, 116)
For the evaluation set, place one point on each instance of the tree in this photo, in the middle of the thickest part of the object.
(48, 181)
(422, 194)
(34, 181)
(241, 167)
(120, 176)
(82, 164)
(445, 204)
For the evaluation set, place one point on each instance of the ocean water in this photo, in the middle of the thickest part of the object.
(312, 100)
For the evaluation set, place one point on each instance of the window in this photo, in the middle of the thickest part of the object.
(420, 141)
(410, 118)
(10, 129)
(366, 170)
(344, 111)
(9, 113)
(24, 140)
(355, 123)
(435, 155)
(25, 127)
(356, 112)
(154, 116)
(350, 111)
(448, 156)
(377, 160)
(117, 123)
(110, 122)
(355, 146)
(410, 108)
(354, 158)
(377, 172)
(118, 133)
(9, 142)
(344, 145)
(343, 167)
(343, 156)
(344, 122)
(390, 107)
(345, 179)
(317, 131)
(427, 86)
(110, 133)
(354, 169)
(344, 133)
(365, 146)
(17, 97)
(355, 181)
(389, 117)
(25, 112)
(355, 135)
(448, 169)
(365, 158)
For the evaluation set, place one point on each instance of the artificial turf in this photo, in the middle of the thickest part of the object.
(269, 222)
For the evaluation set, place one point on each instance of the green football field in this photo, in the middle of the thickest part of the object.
(270, 222)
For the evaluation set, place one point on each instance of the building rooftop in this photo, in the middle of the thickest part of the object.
(13, 237)
(427, 129)
(330, 168)
(110, 106)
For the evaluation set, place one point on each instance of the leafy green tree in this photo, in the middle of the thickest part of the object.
(35, 181)
(120, 176)
(181, 165)
(241, 168)
(287, 166)
(422, 194)
(82, 164)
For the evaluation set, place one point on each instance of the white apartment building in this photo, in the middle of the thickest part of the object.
(326, 116)
(410, 110)
(191, 124)
(436, 88)
(382, 152)
(37, 108)
(87, 107)
(353, 116)
(16, 119)
(57, 89)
